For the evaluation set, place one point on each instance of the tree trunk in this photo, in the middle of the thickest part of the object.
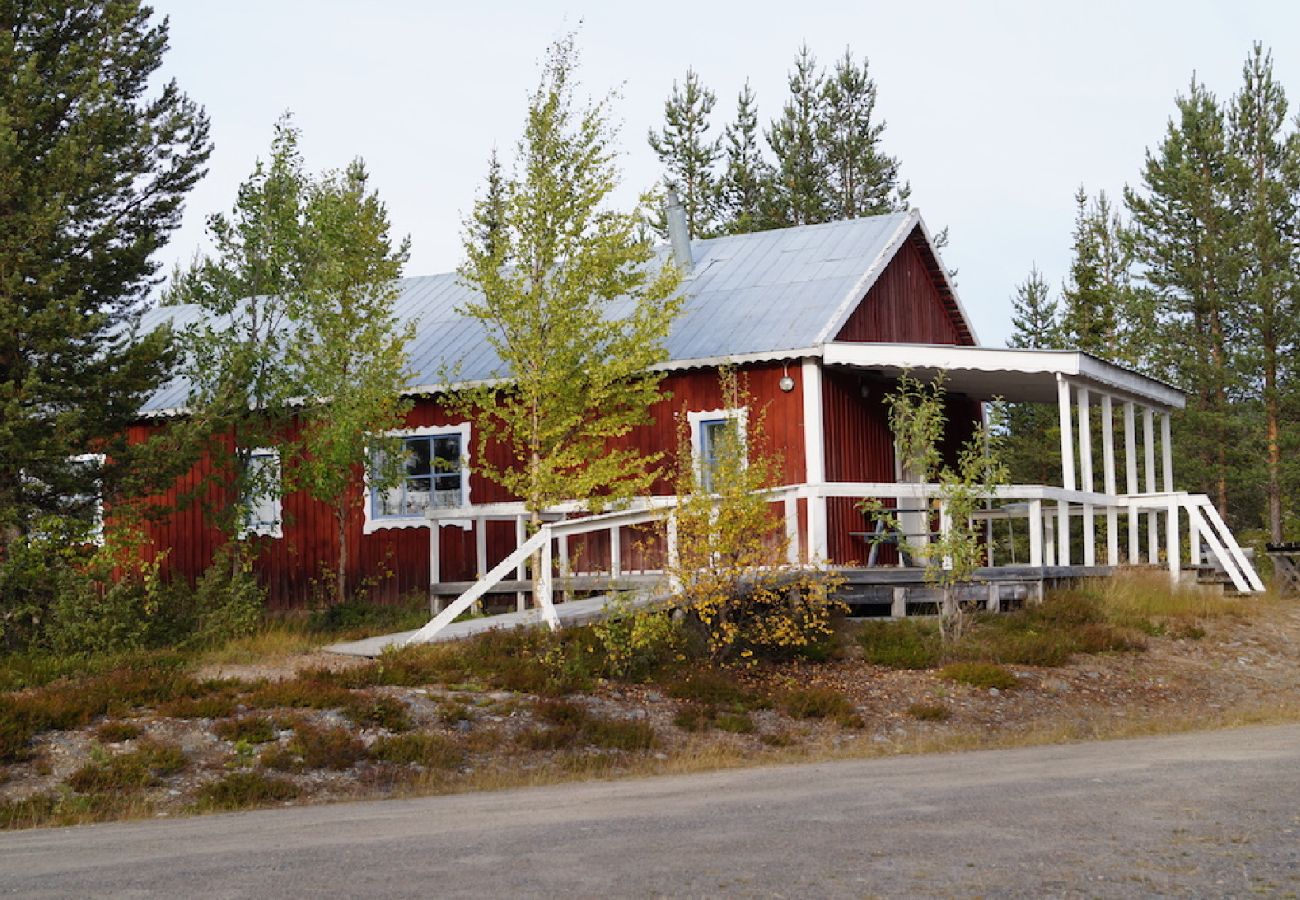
(1273, 415)
(341, 574)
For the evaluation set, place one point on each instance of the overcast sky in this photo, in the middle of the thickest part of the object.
(997, 111)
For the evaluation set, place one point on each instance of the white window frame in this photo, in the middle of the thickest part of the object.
(373, 523)
(696, 420)
(97, 519)
(275, 528)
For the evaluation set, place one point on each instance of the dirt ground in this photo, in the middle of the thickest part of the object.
(1241, 670)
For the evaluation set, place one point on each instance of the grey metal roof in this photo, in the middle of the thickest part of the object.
(763, 293)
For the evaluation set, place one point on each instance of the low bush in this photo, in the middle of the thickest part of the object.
(929, 712)
(242, 790)
(619, 734)
(736, 723)
(695, 717)
(252, 729)
(571, 725)
(980, 675)
(815, 703)
(636, 642)
(901, 644)
(715, 687)
(303, 692)
(361, 616)
(216, 705)
(326, 748)
(433, 751)
(381, 712)
(117, 732)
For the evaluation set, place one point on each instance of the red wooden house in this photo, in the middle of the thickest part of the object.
(820, 320)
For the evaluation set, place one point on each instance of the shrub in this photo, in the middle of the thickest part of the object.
(361, 614)
(127, 771)
(980, 675)
(252, 729)
(227, 602)
(306, 692)
(715, 687)
(241, 790)
(901, 644)
(695, 717)
(326, 748)
(117, 732)
(432, 751)
(815, 703)
(381, 712)
(736, 723)
(619, 734)
(216, 705)
(637, 641)
(929, 712)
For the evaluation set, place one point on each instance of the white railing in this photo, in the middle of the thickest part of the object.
(1047, 511)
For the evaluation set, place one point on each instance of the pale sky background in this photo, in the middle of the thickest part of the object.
(997, 111)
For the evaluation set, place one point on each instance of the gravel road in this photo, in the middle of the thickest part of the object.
(1209, 814)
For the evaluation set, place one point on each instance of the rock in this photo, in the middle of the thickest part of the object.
(994, 692)
(463, 725)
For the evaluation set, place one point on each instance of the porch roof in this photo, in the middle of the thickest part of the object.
(985, 373)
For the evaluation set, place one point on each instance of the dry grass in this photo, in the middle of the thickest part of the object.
(1136, 597)
(277, 643)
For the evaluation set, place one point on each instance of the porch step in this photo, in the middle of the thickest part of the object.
(574, 612)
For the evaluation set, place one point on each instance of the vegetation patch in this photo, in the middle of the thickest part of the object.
(929, 712)
(117, 732)
(432, 751)
(326, 748)
(815, 703)
(570, 725)
(980, 675)
(901, 644)
(250, 729)
(139, 768)
(244, 790)
(381, 712)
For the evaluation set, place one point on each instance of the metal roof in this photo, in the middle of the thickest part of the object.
(751, 295)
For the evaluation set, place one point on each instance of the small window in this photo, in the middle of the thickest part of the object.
(432, 473)
(262, 498)
(707, 433)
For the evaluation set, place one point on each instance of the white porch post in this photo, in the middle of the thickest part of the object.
(435, 564)
(1108, 479)
(1067, 470)
(792, 529)
(1087, 484)
(615, 552)
(1149, 447)
(521, 570)
(814, 455)
(480, 547)
(1131, 480)
(674, 559)
(1166, 453)
(1049, 538)
(1036, 533)
(1172, 547)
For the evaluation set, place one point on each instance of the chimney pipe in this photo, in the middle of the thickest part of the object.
(679, 235)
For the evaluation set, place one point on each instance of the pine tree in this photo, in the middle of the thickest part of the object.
(1186, 242)
(688, 154)
(863, 180)
(1034, 315)
(745, 191)
(347, 355)
(95, 160)
(575, 376)
(802, 192)
(1265, 188)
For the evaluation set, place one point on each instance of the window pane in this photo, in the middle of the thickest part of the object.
(417, 456)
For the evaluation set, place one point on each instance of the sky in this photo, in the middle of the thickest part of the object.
(997, 111)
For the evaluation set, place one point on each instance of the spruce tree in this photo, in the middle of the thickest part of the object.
(863, 180)
(1103, 312)
(688, 154)
(95, 160)
(1032, 448)
(801, 189)
(745, 191)
(1265, 188)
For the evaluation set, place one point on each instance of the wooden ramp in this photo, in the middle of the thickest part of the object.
(575, 612)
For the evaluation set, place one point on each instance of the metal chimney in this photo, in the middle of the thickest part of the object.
(679, 235)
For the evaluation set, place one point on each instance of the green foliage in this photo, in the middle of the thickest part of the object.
(801, 194)
(715, 687)
(863, 180)
(732, 566)
(97, 155)
(382, 712)
(549, 259)
(326, 748)
(432, 751)
(227, 601)
(816, 703)
(37, 571)
(747, 180)
(571, 724)
(243, 790)
(637, 641)
(980, 675)
(117, 732)
(349, 354)
(902, 644)
(360, 615)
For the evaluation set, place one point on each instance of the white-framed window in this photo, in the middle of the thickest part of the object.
(262, 510)
(94, 502)
(707, 428)
(435, 475)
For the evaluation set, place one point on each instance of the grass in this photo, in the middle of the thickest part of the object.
(980, 675)
(902, 644)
